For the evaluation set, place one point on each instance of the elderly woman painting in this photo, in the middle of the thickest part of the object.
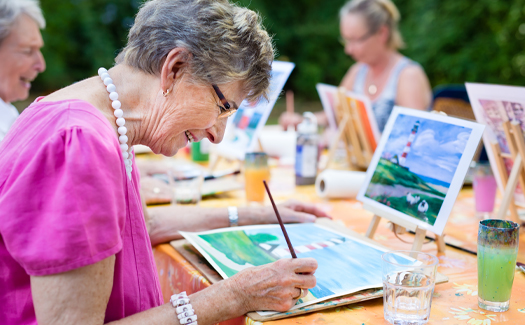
(20, 56)
(74, 243)
(370, 35)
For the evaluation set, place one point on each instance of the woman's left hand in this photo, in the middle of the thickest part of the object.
(291, 211)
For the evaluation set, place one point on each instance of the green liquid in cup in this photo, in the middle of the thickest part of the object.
(496, 268)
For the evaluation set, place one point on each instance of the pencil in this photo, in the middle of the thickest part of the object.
(290, 247)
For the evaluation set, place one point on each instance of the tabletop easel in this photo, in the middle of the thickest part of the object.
(420, 233)
(516, 143)
(351, 132)
(419, 237)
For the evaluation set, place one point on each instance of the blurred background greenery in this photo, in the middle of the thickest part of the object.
(455, 41)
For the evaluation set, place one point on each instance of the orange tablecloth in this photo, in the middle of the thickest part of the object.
(454, 302)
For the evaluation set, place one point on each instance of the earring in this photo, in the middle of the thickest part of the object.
(166, 93)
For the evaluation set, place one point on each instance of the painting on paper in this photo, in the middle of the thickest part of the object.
(493, 105)
(244, 126)
(420, 166)
(346, 264)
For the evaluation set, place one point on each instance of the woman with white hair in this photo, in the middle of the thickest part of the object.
(370, 35)
(20, 56)
(74, 243)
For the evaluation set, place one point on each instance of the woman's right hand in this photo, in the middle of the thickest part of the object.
(273, 286)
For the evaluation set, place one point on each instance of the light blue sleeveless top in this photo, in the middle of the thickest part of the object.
(383, 105)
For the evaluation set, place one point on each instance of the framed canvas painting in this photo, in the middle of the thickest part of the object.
(419, 167)
(493, 105)
(244, 126)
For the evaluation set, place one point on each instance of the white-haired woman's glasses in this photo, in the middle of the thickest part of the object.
(225, 110)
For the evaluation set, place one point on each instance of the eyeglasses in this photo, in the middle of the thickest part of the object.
(361, 39)
(226, 110)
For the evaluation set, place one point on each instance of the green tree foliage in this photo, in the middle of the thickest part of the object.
(81, 36)
(458, 41)
(455, 41)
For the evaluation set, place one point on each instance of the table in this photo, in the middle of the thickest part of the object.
(454, 302)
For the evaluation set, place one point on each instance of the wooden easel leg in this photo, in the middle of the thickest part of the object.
(502, 171)
(419, 239)
(335, 142)
(509, 189)
(440, 242)
(373, 227)
(214, 164)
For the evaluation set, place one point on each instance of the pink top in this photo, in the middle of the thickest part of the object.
(66, 202)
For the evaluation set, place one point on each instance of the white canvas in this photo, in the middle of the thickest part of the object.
(245, 125)
(493, 105)
(418, 189)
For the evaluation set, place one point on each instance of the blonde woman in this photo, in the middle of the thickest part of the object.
(74, 244)
(369, 32)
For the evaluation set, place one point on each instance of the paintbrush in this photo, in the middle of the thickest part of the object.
(290, 247)
(521, 266)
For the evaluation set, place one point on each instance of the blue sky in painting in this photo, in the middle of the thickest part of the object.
(341, 268)
(436, 150)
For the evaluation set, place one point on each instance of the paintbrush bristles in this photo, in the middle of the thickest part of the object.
(290, 247)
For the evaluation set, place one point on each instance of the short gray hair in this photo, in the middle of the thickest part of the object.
(227, 43)
(10, 10)
(377, 13)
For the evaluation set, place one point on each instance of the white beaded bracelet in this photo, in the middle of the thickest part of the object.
(184, 309)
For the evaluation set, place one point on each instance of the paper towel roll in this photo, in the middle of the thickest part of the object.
(339, 183)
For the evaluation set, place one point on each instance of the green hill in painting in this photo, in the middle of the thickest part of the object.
(388, 173)
(239, 248)
(400, 204)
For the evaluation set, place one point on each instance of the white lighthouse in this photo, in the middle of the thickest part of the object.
(411, 138)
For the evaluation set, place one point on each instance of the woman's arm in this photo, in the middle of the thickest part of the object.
(413, 90)
(165, 222)
(349, 78)
(80, 296)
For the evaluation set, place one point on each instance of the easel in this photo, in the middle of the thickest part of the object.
(419, 237)
(350, 130)
(516, 143)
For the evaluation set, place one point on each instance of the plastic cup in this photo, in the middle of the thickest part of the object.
(408, 286)
(497, 252)
(484, 190)
(255, 171)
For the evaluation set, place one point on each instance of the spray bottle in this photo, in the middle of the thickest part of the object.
(306, 150)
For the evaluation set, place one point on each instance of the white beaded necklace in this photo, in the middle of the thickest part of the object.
(122, 130)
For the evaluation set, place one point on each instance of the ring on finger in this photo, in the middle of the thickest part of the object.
(300, 294)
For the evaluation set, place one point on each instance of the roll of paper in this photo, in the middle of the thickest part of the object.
(333, 184)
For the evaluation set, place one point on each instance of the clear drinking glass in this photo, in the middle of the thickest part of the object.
(255, 171)
(485, 187)
(497, 252)
(408, 286)
(186, 186)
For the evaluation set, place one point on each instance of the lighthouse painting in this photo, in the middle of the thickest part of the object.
(420, 158)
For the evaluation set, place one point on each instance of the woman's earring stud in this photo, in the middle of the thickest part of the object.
(166, 93)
